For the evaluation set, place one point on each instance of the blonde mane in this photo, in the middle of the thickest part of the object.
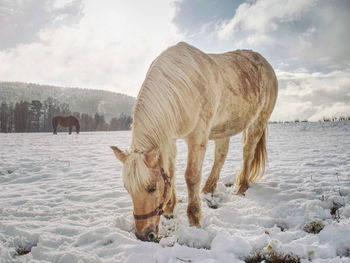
(161, 105)
(135, 172)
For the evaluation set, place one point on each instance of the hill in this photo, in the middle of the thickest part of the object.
(90, 101)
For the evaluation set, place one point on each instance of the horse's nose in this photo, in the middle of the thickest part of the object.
(151, 236)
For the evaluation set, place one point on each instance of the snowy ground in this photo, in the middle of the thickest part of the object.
(62, 198)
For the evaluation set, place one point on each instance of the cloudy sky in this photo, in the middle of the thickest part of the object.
(109, 44)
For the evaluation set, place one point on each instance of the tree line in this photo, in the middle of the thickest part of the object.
(36, 116)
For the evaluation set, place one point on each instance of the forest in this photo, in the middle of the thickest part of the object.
(36, 116)
(89, 101)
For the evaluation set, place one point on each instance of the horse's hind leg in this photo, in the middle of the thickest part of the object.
(221, 149)
(70, 129)
(254, 155)
(54, 126)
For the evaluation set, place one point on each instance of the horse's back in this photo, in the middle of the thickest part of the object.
(248, 88)
(237, 86)
(65, 121)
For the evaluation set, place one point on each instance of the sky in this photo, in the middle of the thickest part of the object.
(109, 44)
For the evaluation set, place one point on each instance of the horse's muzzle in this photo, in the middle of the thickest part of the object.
(149, 234)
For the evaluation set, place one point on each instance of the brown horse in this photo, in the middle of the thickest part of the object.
(198, 97)
(69, 121)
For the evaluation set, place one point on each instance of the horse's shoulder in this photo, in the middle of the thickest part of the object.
(182, 48)
(250, 54)
(183, 44)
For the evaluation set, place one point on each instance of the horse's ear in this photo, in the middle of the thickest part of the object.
(151, 158)
(121, 156)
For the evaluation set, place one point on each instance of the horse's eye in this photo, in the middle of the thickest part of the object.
(151, 189)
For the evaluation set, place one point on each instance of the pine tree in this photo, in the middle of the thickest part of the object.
(36, 108)
(4, 117)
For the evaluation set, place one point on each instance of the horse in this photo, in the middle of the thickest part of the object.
(69, 121)
(198, 97)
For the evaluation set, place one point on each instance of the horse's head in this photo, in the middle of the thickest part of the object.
(149, 187)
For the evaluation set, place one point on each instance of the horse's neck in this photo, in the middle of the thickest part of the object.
(143, 142)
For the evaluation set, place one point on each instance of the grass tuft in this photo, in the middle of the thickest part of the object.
(22, 251)
(273, 257)
(334, 210)
(314, 227)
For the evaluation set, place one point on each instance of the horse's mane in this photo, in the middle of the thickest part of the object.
(162, 103)
(135, 172)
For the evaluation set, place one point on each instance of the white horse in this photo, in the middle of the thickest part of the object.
(198, 97)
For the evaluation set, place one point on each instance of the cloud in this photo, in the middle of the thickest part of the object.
(22, 20)
(263, 16)
(312, 96)
(337, 109)
(292, 34)
(109, 47)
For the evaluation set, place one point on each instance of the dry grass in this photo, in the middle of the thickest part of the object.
(273, 257)
(22, 251)
(314, 227)
(334, 210)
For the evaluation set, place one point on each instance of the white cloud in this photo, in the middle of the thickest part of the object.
(290, 34)
(312, 96)
(336, 110)
(110, 47)
(263, 16)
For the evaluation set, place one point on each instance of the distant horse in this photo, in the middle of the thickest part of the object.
(69, 121)
(198, 97)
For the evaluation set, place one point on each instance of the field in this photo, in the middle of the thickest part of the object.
(62, 200)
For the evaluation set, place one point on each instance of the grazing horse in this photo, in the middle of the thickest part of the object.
(69, 121)
(198, 97)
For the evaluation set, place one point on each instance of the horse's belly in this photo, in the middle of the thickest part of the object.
(233, 115)
(227, 129)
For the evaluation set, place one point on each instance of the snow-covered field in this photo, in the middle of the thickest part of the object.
(62, 199)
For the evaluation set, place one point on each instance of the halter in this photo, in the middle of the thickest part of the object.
(159, 210)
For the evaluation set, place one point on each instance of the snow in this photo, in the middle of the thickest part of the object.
(62, 199)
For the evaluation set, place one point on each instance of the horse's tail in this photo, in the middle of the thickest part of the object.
(257, 167)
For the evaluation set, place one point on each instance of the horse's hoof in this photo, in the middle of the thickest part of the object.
(242, 190)
(212, 203)
(205, 191)
(169, 216)
(197, 225)
(241, 194)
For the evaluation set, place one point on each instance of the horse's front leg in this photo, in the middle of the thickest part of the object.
(197, 145)
(169, 207)
(70, 129)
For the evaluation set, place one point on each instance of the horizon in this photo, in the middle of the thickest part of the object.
(110, 45)
(328, 118)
